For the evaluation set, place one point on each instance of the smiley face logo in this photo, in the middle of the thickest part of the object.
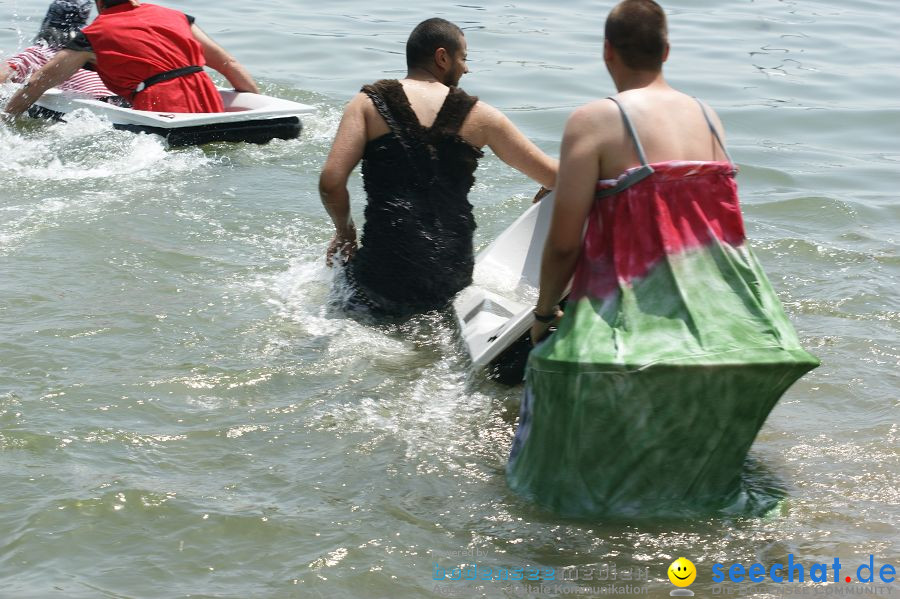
(682, 572)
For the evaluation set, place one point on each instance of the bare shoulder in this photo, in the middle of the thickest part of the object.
(359, 102)
(714, 117)
(360, 107)
(486, 125)
(593, 123)
(485, 115)
(362, 111)
(707, 107)
(595, 114)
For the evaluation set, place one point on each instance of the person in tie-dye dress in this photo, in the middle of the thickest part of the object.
(673, 347)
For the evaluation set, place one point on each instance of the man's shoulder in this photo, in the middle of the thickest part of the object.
(602, 108)
(593, 116)
(593, 126)
(379, 85)
(80, 42)
(461, 92)
(483, 111)
(381, 91)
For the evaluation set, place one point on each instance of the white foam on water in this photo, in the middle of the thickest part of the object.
(26, 220)
(93, 163)
(502, 280)
(418, 399)
(298, 294)
(304, 294)
(321, 126)
(87, 147)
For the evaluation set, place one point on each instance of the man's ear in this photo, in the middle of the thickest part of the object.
(666, 53)
(442, 58)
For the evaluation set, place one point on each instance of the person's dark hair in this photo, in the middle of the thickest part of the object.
(63, 20)
(427, 37)
(637, 30)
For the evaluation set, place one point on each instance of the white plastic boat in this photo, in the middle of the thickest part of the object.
(495, 312)
(248, 117)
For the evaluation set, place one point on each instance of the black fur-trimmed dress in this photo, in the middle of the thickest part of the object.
(416, 247)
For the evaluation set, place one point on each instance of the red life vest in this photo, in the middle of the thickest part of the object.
(133, 44)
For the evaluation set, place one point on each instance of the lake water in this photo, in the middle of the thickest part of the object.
(180, 416)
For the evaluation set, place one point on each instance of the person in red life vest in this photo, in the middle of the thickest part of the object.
(150, 55)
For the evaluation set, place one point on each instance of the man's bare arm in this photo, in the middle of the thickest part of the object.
(513, 148)
(56, 71)
(579, 169)
(220, 60)
(346, 152)
(5, 72)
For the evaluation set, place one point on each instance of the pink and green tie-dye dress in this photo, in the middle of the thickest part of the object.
(672, 352)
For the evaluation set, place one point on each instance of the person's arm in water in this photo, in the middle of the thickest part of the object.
(346, 152)
(61, 67)
(512, 147)
(220, 60)
(579, 169)
(6, 72)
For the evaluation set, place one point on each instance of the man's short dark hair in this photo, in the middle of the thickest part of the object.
(427, 37)
(637, 30)
(64, 19)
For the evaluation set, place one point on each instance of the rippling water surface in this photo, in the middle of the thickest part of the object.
(181, 416)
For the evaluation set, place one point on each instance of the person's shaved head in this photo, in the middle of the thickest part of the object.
(637, 30)
(427, 37)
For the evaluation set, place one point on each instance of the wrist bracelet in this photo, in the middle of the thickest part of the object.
(544, 318)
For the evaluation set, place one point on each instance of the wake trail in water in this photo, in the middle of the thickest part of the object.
(68, 171)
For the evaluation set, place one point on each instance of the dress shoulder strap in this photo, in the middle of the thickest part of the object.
(630, 128)
(454, 111)
(637, 174)
(714, 131)
(389, 100)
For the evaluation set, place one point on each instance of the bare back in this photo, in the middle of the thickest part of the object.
(669, 124)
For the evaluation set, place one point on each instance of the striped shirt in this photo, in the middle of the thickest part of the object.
(29, 60)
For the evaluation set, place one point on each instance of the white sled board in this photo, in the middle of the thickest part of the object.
(496, 310)
(248, 117)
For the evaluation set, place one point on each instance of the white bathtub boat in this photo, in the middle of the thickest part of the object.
(495, 312)
(253, 118)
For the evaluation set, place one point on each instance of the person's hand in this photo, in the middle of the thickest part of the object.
(542, 193)
(342, 248)
(539, 330)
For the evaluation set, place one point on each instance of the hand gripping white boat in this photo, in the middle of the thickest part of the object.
(495, 312)
(248, 117)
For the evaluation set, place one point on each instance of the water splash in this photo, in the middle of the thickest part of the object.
(86, 146)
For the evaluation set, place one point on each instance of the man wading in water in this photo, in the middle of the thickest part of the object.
(673, 348)
(420, 139)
